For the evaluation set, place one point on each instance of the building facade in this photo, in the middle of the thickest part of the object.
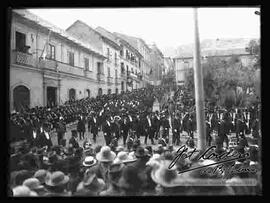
(130, 64)
(109, 77)
(184, 64)
(157, 62)
(48, 66)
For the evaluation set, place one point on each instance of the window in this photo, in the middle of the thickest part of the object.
(100, 68)
(20, 42)
(132, 70)
(86, 63)
(71, 58)
(116, 76)
(51, 54)
(122, 67)
(108, 53)
(121, 52)
(115, 58)
(109, 72)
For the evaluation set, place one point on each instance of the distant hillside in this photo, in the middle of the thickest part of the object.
(216, 47)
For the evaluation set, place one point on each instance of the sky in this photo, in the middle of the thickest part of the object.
(166, 27)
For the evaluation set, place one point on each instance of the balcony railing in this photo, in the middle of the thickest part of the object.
(23, 58)
(48, 64)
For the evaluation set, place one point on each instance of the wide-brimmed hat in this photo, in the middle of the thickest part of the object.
(89, 161)
(23, 191)
(105, 154)
(57, 178)
(124, 157)
(33, 184)
(166, 177)
(41, 175)
(91, 181)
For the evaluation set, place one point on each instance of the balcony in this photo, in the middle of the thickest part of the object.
(23, 58)
(100, 77)
(66, 68)
(48, 64)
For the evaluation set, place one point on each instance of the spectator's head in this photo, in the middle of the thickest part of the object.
(33, 184)
(41, 175)
(91, 182)
(89, 161)
(23, 191)
(105, 156)
(130, 180)
(57, 181)
(21, 176)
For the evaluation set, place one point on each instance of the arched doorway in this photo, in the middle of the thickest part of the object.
(116, 90)
(109, 91)
(88, 93)
(21, 97)
(99, 91)
(72, 94)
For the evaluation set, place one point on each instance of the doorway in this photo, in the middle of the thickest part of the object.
(21, 98)
(51, 96)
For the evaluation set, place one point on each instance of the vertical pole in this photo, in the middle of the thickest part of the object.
(199, 91)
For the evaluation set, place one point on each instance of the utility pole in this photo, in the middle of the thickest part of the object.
(199, 90)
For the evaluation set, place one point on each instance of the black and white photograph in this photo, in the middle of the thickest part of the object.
(134, 101)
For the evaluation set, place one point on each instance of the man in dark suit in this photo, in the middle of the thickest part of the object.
(73, 140)
(149, 129)
(176, 127)
(124, 126)
(61, 130)
(93, 122)
(166, 128)
(156, 124)
(106, 127)
(81, 127)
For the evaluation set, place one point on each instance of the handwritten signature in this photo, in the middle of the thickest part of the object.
(183, 153)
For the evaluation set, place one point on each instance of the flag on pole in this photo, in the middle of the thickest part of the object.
(44, 51)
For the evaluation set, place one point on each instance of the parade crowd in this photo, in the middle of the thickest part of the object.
(131, 168)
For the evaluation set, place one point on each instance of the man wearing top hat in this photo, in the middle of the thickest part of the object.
(124, 126)
(176, 127)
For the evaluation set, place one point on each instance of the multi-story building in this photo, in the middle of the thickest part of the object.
(109, 78)
(157, 62)
(47, 65)
(130, 63)
(185, 64)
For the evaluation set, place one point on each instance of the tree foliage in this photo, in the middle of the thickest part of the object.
(227, 80)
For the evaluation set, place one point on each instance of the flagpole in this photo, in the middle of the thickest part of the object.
(199, 91)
